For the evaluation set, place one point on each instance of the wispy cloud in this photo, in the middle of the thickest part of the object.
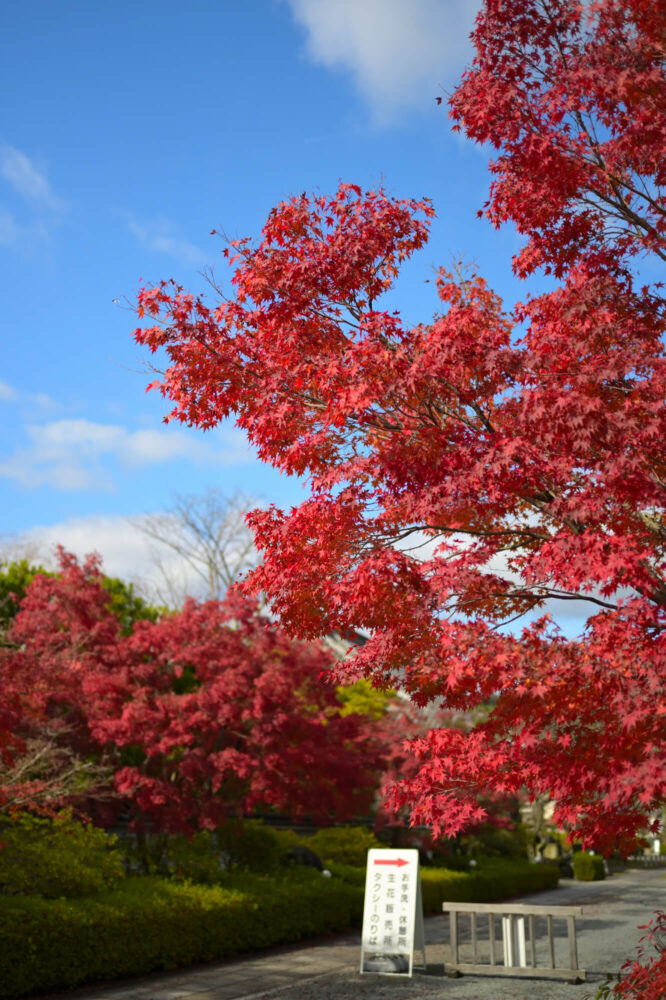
(158, 235)
(9, 228)
(399, 52)
(26, 180)
(82, 455)
(33, 209)
(7, 392)
(31, 400)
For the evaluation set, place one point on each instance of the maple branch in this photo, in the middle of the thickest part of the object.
(514, 618)
(483, 532)
(537, 596)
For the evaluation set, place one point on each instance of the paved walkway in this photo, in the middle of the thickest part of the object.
(327, 969)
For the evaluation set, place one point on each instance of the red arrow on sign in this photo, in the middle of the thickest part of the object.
(398, 862)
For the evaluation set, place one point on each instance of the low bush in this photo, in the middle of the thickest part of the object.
(56, 857)
(250, 846)
(588, 867)
(195, 859)
(348, 845)
(206, 856)
(351, 874)
(151, 923)
(490, 881)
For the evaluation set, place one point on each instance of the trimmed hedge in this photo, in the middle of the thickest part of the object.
(588, 867)
(56, 857)
(347, 845)
(491, 881)
(153, 923)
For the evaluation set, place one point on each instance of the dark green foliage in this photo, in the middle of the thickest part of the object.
(15, 578)
(500, 843)
(193, 860)
(56, 857)
(127, 606)
(208, 856)
(350, 874)
(250, 846)
(348, 845)
(588, 867)
(152, 924)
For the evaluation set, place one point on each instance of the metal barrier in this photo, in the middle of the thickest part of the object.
(515, 919)
(646, 861)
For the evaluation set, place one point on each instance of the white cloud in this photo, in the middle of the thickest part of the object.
(400, 52)
(126, 551)
(25, 179)
(9, 228)
(29, 401)
(7, 393)
(30, 220)
(79, 454)
(158, 236)
(569, 615)
(32, 233)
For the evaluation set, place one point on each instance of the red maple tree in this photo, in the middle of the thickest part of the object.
(207, 713)
(221, 714)
(63, 633)
(525, 445)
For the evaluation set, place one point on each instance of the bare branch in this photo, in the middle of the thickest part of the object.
(202, 544)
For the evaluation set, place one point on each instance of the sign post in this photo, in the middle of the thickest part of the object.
(392, 913)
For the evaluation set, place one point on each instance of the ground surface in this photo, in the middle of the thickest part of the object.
(328, 969)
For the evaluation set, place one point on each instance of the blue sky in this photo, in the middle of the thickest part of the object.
(131, 131)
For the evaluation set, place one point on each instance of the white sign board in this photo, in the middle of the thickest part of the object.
(392, 913)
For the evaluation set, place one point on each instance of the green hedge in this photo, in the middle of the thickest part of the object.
(56, 857)
(588, 867)
(347, 845)
(153, 923)
(491, 881)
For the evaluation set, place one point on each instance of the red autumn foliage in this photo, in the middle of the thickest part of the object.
(645, 977)
(226, 715)
(63, 635)
(527, 445)
(208, 713)
(571, 96)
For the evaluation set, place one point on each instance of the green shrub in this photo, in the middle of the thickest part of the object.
(249, 845)
(588, 867)
(351, 874)
(492, 879)
(206, 857)
(348, 845)
(195, 859)
(56, 857)
(151, 923)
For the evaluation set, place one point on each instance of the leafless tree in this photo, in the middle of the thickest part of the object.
(200, 545)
